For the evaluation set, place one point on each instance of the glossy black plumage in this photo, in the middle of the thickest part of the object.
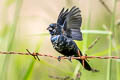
(65, 31)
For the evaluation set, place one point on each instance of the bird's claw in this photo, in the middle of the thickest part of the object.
(59, 58)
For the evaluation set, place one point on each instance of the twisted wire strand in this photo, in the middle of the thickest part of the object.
(72, 57)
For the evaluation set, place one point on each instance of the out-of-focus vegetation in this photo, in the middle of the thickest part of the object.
(23, 26)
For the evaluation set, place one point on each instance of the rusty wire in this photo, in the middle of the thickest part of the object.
(35, 55)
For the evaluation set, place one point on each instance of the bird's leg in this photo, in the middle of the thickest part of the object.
(59, 58)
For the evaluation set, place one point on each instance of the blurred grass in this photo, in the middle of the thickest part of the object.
(11, 36)
(18, 67)
(31, 66)
(29, 71)
(112, 28)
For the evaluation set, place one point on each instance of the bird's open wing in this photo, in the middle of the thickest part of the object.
(71, 22)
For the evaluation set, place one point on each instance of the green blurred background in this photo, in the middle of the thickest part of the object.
(23, 26)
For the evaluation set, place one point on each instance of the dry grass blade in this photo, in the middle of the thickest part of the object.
(105, 5)
(94, 42)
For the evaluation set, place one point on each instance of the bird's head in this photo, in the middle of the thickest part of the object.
(54, 29)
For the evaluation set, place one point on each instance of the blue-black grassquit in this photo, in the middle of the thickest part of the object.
(65, 31)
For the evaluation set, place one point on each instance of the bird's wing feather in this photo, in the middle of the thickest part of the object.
(62, 16)
(71, 22)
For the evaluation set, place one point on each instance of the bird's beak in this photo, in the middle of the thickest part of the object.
(47, 28)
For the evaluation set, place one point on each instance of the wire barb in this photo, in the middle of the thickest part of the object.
(82, 58)
(35, 55)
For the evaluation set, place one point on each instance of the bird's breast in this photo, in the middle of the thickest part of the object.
(62, 43)
(58, 42)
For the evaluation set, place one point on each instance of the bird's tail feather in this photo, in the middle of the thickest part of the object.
(86, 65)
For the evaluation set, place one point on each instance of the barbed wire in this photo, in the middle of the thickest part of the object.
(35, 55)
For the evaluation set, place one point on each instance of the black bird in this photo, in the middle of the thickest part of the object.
(65, 31)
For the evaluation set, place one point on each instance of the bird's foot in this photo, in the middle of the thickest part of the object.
(59, 58)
